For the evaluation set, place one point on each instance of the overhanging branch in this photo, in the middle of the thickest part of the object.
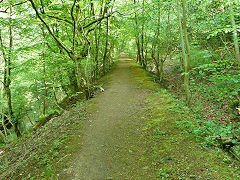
(50, 31)
(108, 15)
(60, 19)
(17, 4)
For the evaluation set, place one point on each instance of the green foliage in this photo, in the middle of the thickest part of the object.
(162, 174)
(27, 63)
(200, 57)
(224, 80)
(206, 132)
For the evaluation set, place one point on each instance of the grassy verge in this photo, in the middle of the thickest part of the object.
(177, 150)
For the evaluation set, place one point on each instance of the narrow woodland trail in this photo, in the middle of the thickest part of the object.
(130, 132)
(112, 143)
(133, 130)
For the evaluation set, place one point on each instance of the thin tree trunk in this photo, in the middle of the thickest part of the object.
(139, 58)
(54, 92)
(235, 35)
(156, 54)
(142, 36)
(3, 115)
(8, 75)
(44, 72)
(3, 85)
(97, 41)
(96, 38)
(106, 47)
(186, 34)
(54, 89)
(161, 71)
(185, 56)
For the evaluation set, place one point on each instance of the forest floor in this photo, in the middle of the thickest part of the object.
(129, 131)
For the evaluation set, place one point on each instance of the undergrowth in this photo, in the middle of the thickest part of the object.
(179, 144)
(208, 133)
(219, 81)
(215, 90)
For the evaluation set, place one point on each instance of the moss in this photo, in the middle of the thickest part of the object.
(142, 77)
(175, 152)
(92, 107)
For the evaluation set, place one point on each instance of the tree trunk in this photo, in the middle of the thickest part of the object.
(7, 74)
(106, 47)
(161, 71)
(186, 34)
(139, 58)
(142, 37)
(97, 35)
(185, 56)
(44, 71)
(235, 35)
(3, 115)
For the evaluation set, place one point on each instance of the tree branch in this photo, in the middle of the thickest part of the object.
(60, 19)
(108, 15)
(5, 11)
(72, 10)
(91, 29)
(74, 25)
(97, 20)
(50, 31)
(2, 82)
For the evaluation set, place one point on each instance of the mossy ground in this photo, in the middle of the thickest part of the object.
(175, 151)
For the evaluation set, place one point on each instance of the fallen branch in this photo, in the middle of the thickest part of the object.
(44, 120)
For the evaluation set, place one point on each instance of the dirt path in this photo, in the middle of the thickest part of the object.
(131, 133)
(112, 142)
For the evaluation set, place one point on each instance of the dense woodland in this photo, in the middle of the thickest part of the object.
(54, 51)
